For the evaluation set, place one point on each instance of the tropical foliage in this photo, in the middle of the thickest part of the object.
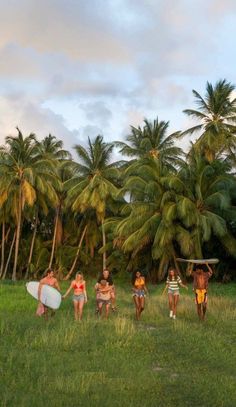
(156, 204)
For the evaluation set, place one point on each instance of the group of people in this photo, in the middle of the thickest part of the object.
(106, 295)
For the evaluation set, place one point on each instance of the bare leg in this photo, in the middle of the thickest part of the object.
(113, 299)
(136, 302)
(142, 303)
(107, 310)
(100, 308)
(170, 298)
(204, 308)
(176, 299)
(75, 309)
(81, 306)
(199, 311)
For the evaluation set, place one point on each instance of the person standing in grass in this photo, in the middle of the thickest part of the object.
(200, 286)
(139, 293)
(50, 280)
(104, 297)
(106, 276)
(80, 295)
(173, 283)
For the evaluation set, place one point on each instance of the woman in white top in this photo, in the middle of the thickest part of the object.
(173, 282)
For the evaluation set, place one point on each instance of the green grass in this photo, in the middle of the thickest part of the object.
(119, 362)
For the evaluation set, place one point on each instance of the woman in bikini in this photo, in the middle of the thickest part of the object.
(80, 295)
(50, 280)
(173, 283)
(139, 292)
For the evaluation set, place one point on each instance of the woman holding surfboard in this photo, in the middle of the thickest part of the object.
(173, 283)
(51, 281)
(80, 295)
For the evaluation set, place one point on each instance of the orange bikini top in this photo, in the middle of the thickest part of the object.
(140, 281)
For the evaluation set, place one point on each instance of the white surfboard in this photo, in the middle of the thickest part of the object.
(199, 261)
(49, 295)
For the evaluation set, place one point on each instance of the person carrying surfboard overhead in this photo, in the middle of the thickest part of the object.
(50, 280)
(200, 287)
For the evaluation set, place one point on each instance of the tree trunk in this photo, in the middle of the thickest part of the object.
(9, 256)
(3, 249)
(161, 269)
(177, 266)
(54, 237)
(18, 230)
(32, 244)
(77, 255)
(104, 255)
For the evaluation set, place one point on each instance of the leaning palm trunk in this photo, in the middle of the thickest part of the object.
(77, 255)
(104, 255)
(3, 249)
(9, 256)
(161, 268)
(18, 230)
(176, 265)
(54, 237)
(32, 246)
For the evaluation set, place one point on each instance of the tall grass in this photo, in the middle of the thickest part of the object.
(118, 362)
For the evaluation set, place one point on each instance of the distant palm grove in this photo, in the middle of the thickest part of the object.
(157, 204)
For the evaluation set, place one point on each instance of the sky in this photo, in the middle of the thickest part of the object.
(79, 68)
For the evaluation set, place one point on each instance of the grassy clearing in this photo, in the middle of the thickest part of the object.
(118, 362)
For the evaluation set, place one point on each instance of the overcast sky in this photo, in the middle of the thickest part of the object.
(78, 68)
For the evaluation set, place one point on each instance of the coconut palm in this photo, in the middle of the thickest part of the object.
(203, 197)
(216, 119)
(94, 181)
(50, 148)
(150, 220)
(22, 173)
(153, 141)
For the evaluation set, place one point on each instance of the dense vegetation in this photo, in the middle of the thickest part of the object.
(91, 212)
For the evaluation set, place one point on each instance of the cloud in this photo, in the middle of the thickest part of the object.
(110, 63)
(30, 117)
(97, 112)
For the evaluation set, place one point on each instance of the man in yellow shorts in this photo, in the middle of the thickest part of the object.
(200, 286)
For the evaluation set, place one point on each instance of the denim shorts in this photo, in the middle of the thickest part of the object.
(173, 292)
(139, 293)
(80, 297)
(105, 302)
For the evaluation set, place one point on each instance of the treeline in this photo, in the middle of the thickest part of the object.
(158, 204)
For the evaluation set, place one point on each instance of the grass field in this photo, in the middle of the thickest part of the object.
(118, 362)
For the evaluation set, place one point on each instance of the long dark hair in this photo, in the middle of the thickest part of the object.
(176, 274)
(134, 275)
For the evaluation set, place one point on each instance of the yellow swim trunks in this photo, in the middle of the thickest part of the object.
(201, 296)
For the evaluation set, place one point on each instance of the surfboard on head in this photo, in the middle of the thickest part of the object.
(49, 295)
(198, 261)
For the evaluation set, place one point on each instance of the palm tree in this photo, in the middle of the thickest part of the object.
(22, 172)
(94, 181)
(149, 220)
(152, 141)
(64, 172)
(52, 148)
(216, 119)
(203, 197)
